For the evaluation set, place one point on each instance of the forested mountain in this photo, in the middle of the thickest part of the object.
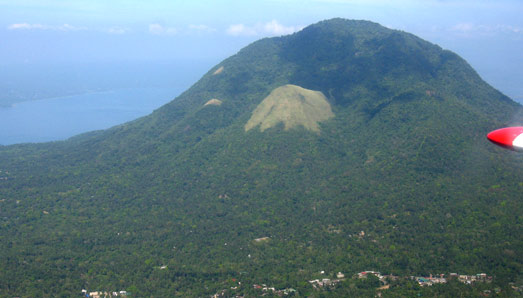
(348, 145)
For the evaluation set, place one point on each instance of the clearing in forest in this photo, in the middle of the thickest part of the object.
(218, 71)
(293, 106)
(213, 102)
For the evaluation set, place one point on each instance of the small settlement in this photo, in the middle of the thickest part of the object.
(385, 279)
(322, 283)
(466, 279)
(325, 282)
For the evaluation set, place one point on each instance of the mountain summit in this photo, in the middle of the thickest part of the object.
(346, 147)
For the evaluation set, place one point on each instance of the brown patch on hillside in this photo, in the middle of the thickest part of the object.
(218, 71)
(213, 102)
(293, 106)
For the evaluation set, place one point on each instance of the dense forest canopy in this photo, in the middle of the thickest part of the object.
(399, 179)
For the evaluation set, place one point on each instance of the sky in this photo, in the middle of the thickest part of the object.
(487, 33)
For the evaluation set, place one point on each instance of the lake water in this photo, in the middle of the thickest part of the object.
(60, 118)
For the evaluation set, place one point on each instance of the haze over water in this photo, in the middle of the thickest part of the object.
(44, 103)
(63, 117)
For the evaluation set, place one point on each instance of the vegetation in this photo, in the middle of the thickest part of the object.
(400, 181)
(293, 106)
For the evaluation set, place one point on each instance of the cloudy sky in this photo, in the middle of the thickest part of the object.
(487, 33)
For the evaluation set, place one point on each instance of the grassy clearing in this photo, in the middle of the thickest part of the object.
(293, 106)
(218, 71)
(213, 102)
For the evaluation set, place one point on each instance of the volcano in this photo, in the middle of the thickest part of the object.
(346, 147)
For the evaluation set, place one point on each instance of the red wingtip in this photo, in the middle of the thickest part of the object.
(505, 136)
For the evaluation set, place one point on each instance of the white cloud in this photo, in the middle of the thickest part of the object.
(67, 27)
(463, 27)
(202, 28)
(275, 28)
(116, 30)
(26, 26)
(470, 28)
(272, 28)
(241, 30)
(158, 29)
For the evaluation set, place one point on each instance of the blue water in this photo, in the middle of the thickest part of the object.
(60, 118)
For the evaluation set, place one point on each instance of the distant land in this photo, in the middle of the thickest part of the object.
(40, 103)
(27, 82)
(55, 119)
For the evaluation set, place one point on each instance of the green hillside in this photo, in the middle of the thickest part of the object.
(396, 177)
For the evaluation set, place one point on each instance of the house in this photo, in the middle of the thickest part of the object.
(365, 273)
(323, 283)
(481, 276)
(424, 281)
(326, 282)
(439, 280)
(316, 283)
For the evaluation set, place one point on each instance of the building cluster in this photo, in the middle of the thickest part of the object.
(518, 289)
(265, 288)
(326, 282)
(382, 278)
(364, 274)
(469, 279)
(466, 279)
(430, 280)
(106, 294)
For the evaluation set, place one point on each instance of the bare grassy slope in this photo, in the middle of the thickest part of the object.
(293, 106)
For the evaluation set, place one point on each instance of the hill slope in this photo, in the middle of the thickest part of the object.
(401, 180)
(293, 106)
